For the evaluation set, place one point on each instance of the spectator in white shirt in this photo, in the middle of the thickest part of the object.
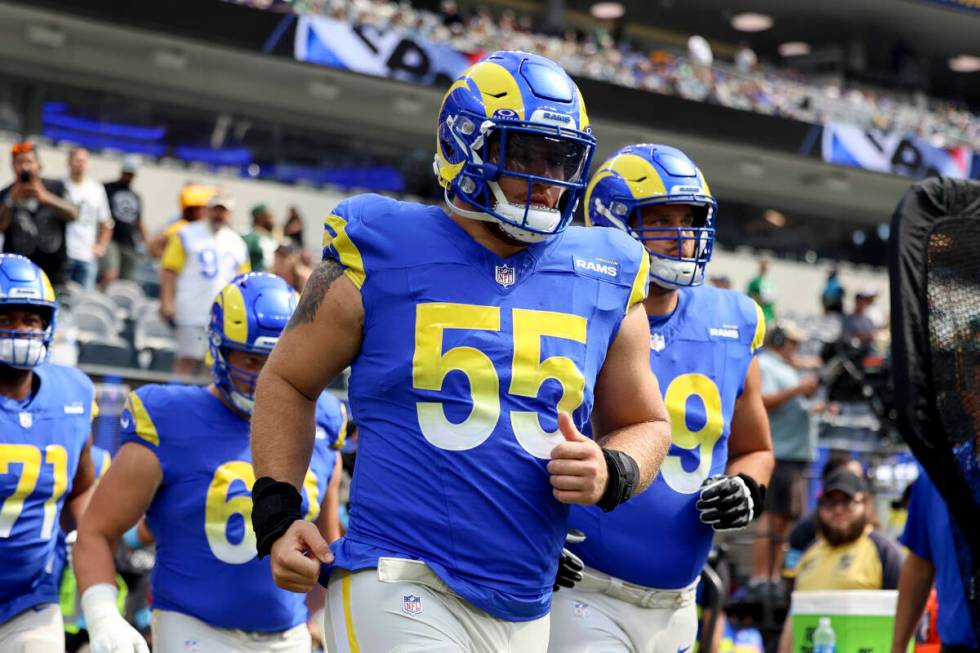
(88, 237)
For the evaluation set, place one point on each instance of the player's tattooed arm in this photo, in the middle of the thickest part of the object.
(325, 274)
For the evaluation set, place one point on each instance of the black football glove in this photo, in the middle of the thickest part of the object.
(570, 566)
(730, 503)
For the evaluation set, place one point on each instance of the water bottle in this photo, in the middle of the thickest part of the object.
(824, 640)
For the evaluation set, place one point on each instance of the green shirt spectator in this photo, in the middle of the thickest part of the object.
(762, 290)
(260, 240)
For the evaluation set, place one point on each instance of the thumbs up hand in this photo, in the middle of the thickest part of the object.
(577, 468)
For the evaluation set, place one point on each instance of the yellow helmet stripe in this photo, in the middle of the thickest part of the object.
(48, 293)
(236, 317)
(639, 174)
(498, 88)
(583, 117)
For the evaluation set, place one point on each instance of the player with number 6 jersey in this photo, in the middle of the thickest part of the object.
(481, 338)
(185, 462)
(46, 413)
(643, 561)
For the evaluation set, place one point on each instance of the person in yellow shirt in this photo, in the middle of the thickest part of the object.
(849, 553)
(199, 260)
(194, 200)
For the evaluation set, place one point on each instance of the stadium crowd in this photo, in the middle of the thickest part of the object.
(746, 83)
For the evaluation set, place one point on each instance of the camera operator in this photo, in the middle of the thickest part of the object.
(34, 214)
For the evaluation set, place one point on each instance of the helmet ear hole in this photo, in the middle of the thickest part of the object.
(447, 147)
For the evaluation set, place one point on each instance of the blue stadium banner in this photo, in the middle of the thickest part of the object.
(371, 50)
(890, 152)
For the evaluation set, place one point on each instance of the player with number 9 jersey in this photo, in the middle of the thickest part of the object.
(46, 413)
(190, 447)
(643, 561)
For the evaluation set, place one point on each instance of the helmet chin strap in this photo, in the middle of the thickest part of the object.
(516, 213)
(674, 275)
(241, 402)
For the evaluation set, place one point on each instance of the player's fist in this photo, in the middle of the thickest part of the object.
(297, 555)
(730, 503)
(577, 468)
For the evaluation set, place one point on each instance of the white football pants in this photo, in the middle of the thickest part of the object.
(404, 607)
(603, 614)
(36, 630)
(174, 632)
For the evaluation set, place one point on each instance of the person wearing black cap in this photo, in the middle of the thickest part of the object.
(849, 553)
(123, 258)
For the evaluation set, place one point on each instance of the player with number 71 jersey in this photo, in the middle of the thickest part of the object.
(46, 413)
(185, 462)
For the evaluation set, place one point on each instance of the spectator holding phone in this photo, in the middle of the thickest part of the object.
(34, 214)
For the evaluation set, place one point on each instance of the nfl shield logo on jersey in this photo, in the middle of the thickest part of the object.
(657, 342)
(26, 420)
(412, 604)
(506, 275)
(580, 609)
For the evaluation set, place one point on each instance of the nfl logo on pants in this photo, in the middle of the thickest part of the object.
(412, 604)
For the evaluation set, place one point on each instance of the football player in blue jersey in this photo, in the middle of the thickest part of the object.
(644, 560)
(185, 463)
(481, 337)
(46, 412)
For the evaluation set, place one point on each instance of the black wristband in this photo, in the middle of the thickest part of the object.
(758, 493)
(275, 506)
(624, 474)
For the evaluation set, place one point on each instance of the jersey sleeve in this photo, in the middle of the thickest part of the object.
(641, 280)
(891, 560)
(343, 234)
(331, 416)
(759, 334)
(791, 573)
(102, 460)
(800, 539)
(136, 422)
(246, 265)
(174, 257)
(916, 535)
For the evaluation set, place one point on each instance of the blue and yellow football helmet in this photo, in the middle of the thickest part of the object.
(23, 285)
(249, 315)
(519, 115)
(645, 174)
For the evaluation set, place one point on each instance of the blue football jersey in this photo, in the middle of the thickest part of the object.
(465, 361)
(41, 441)
(206, 563)
(700, 356)
(331, 420)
